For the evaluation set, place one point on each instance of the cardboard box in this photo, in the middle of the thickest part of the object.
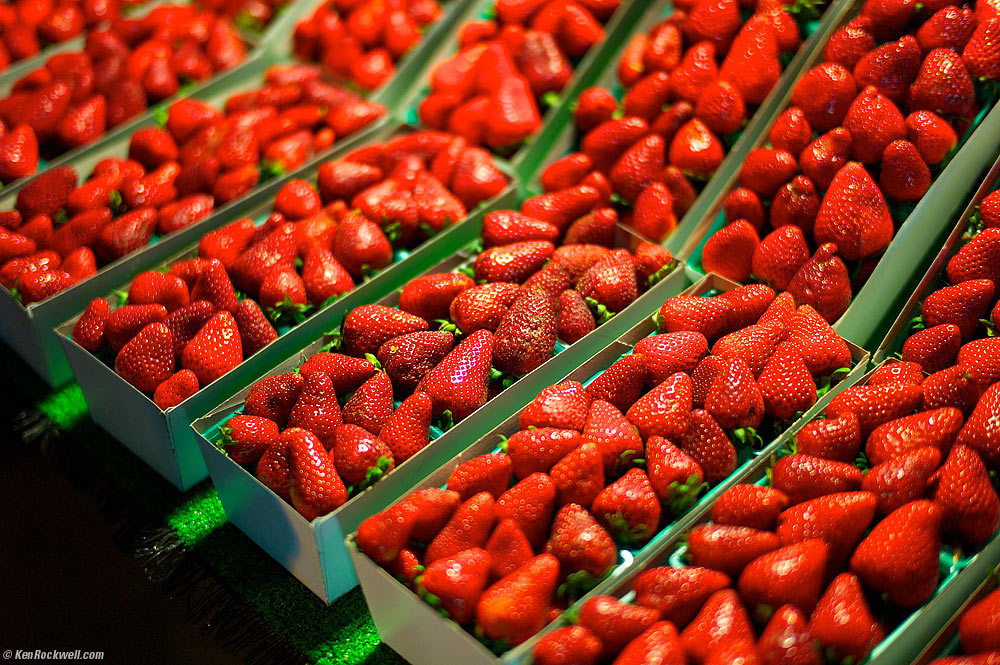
(900, 330)
(562, 137)
(305, 549)
(961, 574)
(163, 438)
(554, 115)
(916, 237)
(28, 330)
(420, 634)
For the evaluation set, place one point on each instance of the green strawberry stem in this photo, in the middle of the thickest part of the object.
(748, 436)
(683, 495)
(601, 313)
(551, 98)
(122, 296)
(374, 361)
(658, 276)
(61, 216)
(270, 170)
(495, 646)
(445, 421)
(465, 270)
(375, 473)
(225, 439)
(576, 585)
(624, 533)
(862, 461)
(289, 313)
(393, 231)
(329, 301)
(448, 326)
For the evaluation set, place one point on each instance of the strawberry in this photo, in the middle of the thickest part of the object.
(550, 281)
(407, 358)
(283, 291)
(664, 48)
(274, 251)
(579, 476)
(748, 505)
(766, 169)
(638, 167)
(126, 234)
(720, 106)
(952, 387)
(752, 61)
(653, 216)
(890, 68)
(343, 180)
(976, 259)
(315, 487)
(385, 534)
(368, 327)
(629, 509)
(469, 526)
(47, 193)
(780, 255)
(665, 410)
(840, 520)
(371, 405)
(649, 94)
(567, 645)
(981, 51)
(854, 215)
(88, 331)
(781, 310)
(904, 175)
(900, 555)
(850, 42)
(964, 305)
(823, 159)
(184, 323)
(786, 639)
(504, 227)
(837, 439)
(734, 400)
(274, 396)
(630, 66)
(747, 304)
(578, 259)
(743, 203)
(728, 549)
(126, 321)
(936, 428)
(459, 383)
(843, 621)
(804, 477)
(215, 350)
(905, 372)
(360, 246)
(824, 93)
(615, 436)
(931, 134)
(695, 150)
(729, 252)
(476, 179)
(934, 348)
(176, 389)
(978, 624)
(965, 492)
(359, 457)
(563, 207)
(792, 574)
(902, 479)
(489, 473)
(516, 607)
(455, 583)
(246, 438)
(482, 307)
(791, 131)
(615, 623)
(256, 331)
(786, 386)
(153, 147)
(949, 27)
(675, 476)
(668, 353)
(722, 619)
(435, 507)
(147, 359)
(593, 107)
(526, 336)
(610, 283)
(153, 287)
(943, 85)
(823, 283)
(678, 593)
(512, 263)
(323, 277)
(873, 122)
(531, 503)
(565, 172)
(406, 431)
(707, 443)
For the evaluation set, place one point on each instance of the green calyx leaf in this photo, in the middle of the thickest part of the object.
(445, 421)
(749, 437)
(474, 247)
(61, 216)
(374, 361)
(270, 170)
(289, 313)
(375, 473)
(495, 374)
(116, 203)
(329, 301)
(658, 276)
(551, 98)
(466, 270)
(626, 534)
(225, 439)
(601, 313)
(684, 495)
(393, 231)
(657, 320)
(448, 326)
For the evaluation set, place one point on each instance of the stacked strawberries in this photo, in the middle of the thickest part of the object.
(979, 633)
(691, 82)
(605, 466)
(59, 232)
(859, 146)
(489, 92)
(27, 26)
(361, 40)
(122, 70)
(814, 560)
(310, 250)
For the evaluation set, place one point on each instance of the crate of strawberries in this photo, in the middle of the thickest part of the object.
(857, 542)
(178, 338)
(417, 374)
(595, 473)
(849, 194)
(679, 107)
(158, 188)
(513, 66)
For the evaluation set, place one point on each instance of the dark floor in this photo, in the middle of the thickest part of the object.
(64, 583)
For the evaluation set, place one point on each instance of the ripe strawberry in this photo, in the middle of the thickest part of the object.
(184, 323)
(943, 85)
(469, 526)
(931, 134)
(562, 208)
(614, 435)
(698, 68)
(504, 227)
(707, 443)
(804, 477)
(843, 621)
(275, 251)
(563, 405)
(384, 535)
(734, 399)
(47, 193)
(594, 106)
(965, 492)
(678, 593)
(728, 549)
(482, 307)
(126, 321)
(531, 503)
(902, 479)
(629, 509)
(256, 331)
(575, 318)
(406, 431)
(780, 255)
(579, 476)
(904, 176)
(512, 263)
(890, 68)
(246, 438)
(786, 386)
(952, 387)
(729, 252)
(720, 106)
(766, 169)
(786, 639)
(611, 283)
(934, 348)
(905, 372)
(722, 619)
(215, 350)
(455, 583)
(569, 644)
(283, 291)
(653, 215)
(981, 51)
(796, 203)
(840, 520)
(638, 167)
(792, 574)
(823, 283)
(459, 384)
(147, 360)
(176, 389)
(900, 555)
(665, 410)
(748, 505)
(850, 42)
(824, 93)
(936, 428)
(837, 439)
(154, 287)
(791, 131)
(315, 487)
(854, 215)
(695, 150)
(615, 623)
(752, 62)
(359, 457)
(964, 305)
(668, 353)
(647, 97)
(516, 607)
(274, 396)
(675, 476)
(435, 507)
(126, 234)
(743, 203)
(977, 627)
(368, 327)
(526, 335)
(18, 153)
(976, 259)
(486, 473)
(88, 331)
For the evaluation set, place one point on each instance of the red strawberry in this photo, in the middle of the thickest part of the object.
(697, 69)
(512, 263)
(752, 62)
(792, 574)
(675, 476)
(804, 477)
(854, 215)
(734, 399)
(246, 438)
(900, 555)
(826, 156)
(314, 486)
(360, 458)
(147, 360)
(516, 607)
(526, 335)
(158, 288)
(934, 348)
(931, 134)
(47, 193)
(490, 473)
(579, 476)
(611, 283)
(638, 167)
(904, 176)
(646, 98)
(275, 251)
(126, 234)
(981, 51)
(901, 479)
(678, 593)
(384, 535)
(791, 131)
(531, 503)
(629, 509)
(575, 318)
(469, 526)
(563, 207)
(563, 405)
(840, 520)
(615, 623)
(88, 331)
(176, 389)
(406, 431)
(743, 203)
(952, 387)
(256, 331)
(964, 491)
(750, 506)
(977, 627)
(786, 638)
(459, 383)
(707, 443)
(482, 307)
(766, 169)
(823, 283)
(695, 150)
(567, 645)
(594, 106)
(728, 549)
(456, 583)
(964, 305)
(786, 385)
(780, 255)
(215, 350)
(824, 93)
(720, 106)
(850, 42)
(729, 252)
(943, 85)
(435, 507)
(890, 68)
(668, 353)
(721, 620)
(837, 439)
(653, 216)
(936, 428)
(126, 321)
(665, 410)
(274, 396)
(843, 621)
(906, 372)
